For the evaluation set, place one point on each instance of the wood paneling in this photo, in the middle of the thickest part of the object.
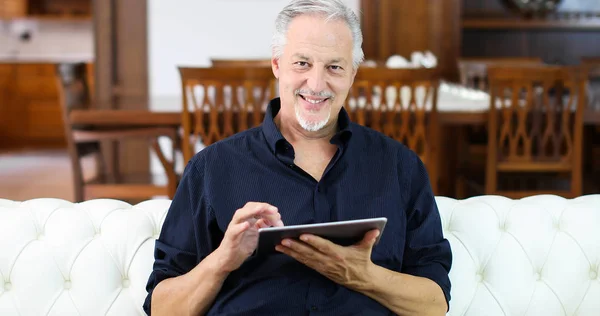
(120, 29)
(404, 26)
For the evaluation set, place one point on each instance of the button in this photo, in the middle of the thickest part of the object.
(40, 236)
(537, 276)
(126, 283)
(479, 277)
(67, 284)
(593, 274)
(7, 286)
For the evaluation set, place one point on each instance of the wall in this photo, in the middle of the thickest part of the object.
(49, 41)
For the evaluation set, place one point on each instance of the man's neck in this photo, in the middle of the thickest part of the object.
(298, 136)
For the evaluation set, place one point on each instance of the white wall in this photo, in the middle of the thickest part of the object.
(190, 32)
(50, 41)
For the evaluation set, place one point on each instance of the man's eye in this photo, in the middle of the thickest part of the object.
(334, 67)
(302, 63)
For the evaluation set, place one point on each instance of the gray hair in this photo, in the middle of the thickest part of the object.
(331, 9)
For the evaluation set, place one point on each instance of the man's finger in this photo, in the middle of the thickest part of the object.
(369, 239)
(252, 209)
(237, 230)
(323, 245)
(262, 223)
(274, 219)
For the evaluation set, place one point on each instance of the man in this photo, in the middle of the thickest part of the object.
(306, 163)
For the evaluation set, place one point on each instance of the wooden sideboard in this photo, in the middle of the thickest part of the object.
(30, 114)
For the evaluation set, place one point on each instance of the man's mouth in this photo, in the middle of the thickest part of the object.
(313, 100)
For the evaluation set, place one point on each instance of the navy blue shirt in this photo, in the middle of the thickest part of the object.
(370, 175)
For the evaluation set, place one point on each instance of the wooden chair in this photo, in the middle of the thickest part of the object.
(472, 141)
(222, 101)
(85, 141)
(535, 126)
(240, 63)
(473, 71)
(402, 104)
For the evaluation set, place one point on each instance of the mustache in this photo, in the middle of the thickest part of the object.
(322, 94)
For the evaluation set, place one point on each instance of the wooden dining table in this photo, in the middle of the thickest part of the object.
(452, 125)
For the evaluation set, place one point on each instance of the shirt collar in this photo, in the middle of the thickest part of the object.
(274, 136)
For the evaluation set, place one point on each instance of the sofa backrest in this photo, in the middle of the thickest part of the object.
(536, 256)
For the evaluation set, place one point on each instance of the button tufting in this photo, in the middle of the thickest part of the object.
(537, 276)
(593, 274)
(126, 283)
(40, 236)
(7, 286)
(67, 285)
(502, 227)
(479, 277)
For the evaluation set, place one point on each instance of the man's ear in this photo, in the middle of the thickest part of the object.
(275, 66)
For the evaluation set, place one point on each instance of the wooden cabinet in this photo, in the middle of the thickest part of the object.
(52, 9)
(12, 9)
(405, 26)
(30, 113)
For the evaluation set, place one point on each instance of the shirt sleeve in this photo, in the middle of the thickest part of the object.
(427, 252)
(178, 250)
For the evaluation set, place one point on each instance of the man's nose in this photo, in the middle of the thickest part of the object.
(316, 79)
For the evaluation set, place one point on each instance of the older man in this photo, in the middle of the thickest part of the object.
(306, 163)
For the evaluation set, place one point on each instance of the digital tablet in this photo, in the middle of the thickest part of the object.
(344, 233)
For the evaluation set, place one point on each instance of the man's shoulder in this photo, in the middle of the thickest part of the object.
(225, 147)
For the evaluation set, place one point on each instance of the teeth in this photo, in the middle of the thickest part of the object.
(314, 101)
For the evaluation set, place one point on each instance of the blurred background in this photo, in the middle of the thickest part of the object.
(132, 49)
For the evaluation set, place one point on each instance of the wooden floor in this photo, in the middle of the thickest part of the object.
(35, 174)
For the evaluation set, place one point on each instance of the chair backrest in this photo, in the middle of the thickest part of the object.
(400, 103)
(240, 63)
(536, 118)
(223, 101)
(473, 71)
(592, 66)
(74, 93)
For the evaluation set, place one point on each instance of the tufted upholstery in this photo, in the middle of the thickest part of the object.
(535, 256)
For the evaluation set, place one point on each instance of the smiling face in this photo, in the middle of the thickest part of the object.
(315, 71)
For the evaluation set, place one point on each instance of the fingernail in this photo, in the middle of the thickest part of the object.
(304, 238)
(286, 243)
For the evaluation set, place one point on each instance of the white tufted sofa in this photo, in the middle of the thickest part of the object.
(535, 256)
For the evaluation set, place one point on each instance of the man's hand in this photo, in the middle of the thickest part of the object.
(241, 237)
(349, 266)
